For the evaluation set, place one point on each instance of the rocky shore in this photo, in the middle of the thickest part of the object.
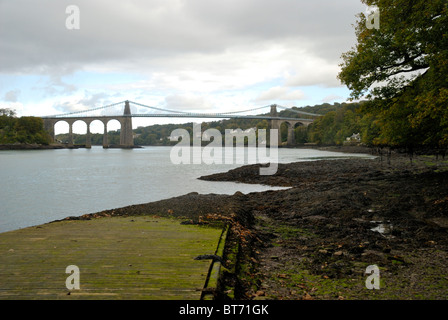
(35, 146)
(31, 146)
(316, 239)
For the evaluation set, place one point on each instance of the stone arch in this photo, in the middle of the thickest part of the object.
(284, 129)
(108, 126)
(58, 127)
(96, 126)
(300, 132)
(70, 129)
(298, 124)
(286, 132)
(81, 126)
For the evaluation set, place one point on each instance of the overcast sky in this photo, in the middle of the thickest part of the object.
(195, 55)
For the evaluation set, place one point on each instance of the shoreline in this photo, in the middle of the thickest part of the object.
(314, 240)
(35, 146)
(31, 146)
(27, 146)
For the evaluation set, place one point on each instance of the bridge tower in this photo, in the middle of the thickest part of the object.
(126, 135)
(275, 124)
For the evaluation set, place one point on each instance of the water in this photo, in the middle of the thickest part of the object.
(39, 186)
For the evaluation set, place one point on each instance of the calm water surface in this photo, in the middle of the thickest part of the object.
(39, 186)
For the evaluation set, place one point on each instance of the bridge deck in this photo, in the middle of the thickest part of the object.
(161, 115)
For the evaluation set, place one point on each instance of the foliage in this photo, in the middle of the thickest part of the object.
(335, 126)
(402, 69)
(21, 130)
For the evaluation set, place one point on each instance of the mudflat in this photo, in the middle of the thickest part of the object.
(320, 238)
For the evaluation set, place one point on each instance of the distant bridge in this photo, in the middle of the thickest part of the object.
(125, 119)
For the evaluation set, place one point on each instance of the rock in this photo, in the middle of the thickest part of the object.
(307, 296)
(315, 218)
(260, 293)
(373, 256)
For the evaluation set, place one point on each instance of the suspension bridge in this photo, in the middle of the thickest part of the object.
(125, 119)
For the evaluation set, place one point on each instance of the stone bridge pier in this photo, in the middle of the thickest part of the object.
(277, 123)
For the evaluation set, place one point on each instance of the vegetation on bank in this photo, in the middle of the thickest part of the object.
(28, 130)
(401, 68)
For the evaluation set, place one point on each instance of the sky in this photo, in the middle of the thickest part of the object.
(186, 55)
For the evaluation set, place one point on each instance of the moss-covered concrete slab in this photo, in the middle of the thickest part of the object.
(144, 257)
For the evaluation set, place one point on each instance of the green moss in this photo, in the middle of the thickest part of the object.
(285, 232)
(143, 257)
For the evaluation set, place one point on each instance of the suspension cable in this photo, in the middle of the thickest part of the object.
(179, 112)
(84, 111)
(160, 109)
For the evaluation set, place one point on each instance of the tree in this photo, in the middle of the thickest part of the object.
(7, 112)
(30, 125)
(7, 119)
(301, 134)
(31, 130)
(402, 69)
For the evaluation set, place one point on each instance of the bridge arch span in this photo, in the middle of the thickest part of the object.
(109, 125)
(80, 126)
(61, 126)
(291, 125)
(124, 123)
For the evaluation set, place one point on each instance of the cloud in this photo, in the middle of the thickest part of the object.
(280, 93)
(153, 31)
(84, 102)
(11, 96)
(332, 98)
(312, 70)
(187, 102)
(178, 50)
(56, 86)
(95, 100)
